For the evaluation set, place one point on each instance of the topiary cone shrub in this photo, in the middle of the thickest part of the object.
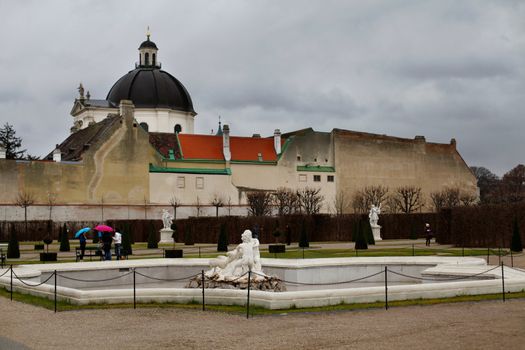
(303, 239)
(515, 243)
(222, 243)
(368, 232)
(126, 242)
(360, 240)
(64, 240)
(13, 247)
(153, 242)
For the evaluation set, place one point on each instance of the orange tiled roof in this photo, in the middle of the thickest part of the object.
(242, 148)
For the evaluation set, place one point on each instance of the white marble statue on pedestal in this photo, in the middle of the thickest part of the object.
(238, 262)
(374, 218)
(166, 232)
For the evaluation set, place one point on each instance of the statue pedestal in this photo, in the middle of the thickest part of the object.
(376, 231)
(165, 235)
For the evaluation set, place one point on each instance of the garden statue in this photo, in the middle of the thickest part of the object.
(166, 233)
(374, 218)
(167, 219)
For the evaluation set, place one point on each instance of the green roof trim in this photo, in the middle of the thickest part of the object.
(210, 161)
(317, 168)
(171, 154)
(158, 169)
(257, 162)
(178, 142)
(284, 147)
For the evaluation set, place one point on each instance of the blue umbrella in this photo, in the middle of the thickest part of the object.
(81, 231)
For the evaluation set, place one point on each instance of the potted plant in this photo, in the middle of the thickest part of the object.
(278, 247)
(47, 256)
(173, 253)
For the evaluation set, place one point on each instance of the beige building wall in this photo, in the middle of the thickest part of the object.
(365, 159)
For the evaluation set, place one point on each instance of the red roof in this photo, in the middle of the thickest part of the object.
(242, 148)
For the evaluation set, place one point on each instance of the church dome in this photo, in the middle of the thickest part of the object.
(151, 87)
(148, 44)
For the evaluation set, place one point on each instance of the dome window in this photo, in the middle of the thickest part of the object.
(178, 128)
(144, 126)
(146, 59)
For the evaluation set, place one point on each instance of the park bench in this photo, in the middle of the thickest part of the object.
(97, 251)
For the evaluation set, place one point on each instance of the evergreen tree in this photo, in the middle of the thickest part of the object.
(369, 235)
(188, 235)
(360, 239)
(13, 248)
(11, 143)
(64, 240)
(515, 244)
(303, 239)
(222, 244)
(153, 242)
(126, 242)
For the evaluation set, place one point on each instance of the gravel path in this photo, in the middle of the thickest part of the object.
(480, 325)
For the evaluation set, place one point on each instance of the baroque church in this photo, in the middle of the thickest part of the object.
(137, 147)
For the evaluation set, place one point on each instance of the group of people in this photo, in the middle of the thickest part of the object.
(106, 239)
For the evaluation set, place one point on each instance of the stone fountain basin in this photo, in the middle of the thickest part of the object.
(312, 271)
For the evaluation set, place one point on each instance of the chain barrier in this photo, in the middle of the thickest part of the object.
(442, 279)
(32, 285)
(516, 268)
(102, 280)
(328, 284)
(6, 271)
(166, 279)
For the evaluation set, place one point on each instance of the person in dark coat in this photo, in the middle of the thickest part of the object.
(83, 239)
(107, 239)
(428, 234)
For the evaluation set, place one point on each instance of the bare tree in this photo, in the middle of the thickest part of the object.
(438, 200)
(217, 202)
(229, 205)
(513, 183)
(341, 203)
(467, 199)
(310, 199)
(175, 203)
(285, 200)
(407, 199)
(488, 183)
(363, 199)
(259, 202)
(51, 201)
(145, 208)
(446, 198)
(198, 206)
(24, 200)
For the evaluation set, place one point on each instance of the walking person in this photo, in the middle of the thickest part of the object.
(117, 239)
(428, 234)
(83, 239)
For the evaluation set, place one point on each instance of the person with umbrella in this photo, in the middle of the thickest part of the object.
(81, 235)
(107, 239)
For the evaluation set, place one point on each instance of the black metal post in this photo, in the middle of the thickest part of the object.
(511, 259)
(413, 253)
(55, 290)
(11, 288)
(202, 282)
(386, 287)
(502, 282)
(499, 255)
(248, 299)
(488, 255)
(134, 289)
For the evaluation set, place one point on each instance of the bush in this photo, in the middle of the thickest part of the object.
(367, 228)
(13, 248)
(188, 235)
(126, 239)
(515, 244)
(303, 239)
(64, 240)
(360, 239)
(222, 243)
(153, 242)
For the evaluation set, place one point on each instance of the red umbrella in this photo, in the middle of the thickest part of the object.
(103, 228)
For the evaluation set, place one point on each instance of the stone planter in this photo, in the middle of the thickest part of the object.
(48, 256)
(277, 248)
(173, 253)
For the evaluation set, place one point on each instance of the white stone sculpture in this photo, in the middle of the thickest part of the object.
(374, 218)
(167, 219)
(238, 262)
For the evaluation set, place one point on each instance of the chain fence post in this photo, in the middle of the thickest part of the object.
(202, 282)
(488, 255)
(386, 288)
(511, 259)
(134, 289)
(248, 298)
(502, 282)
(11, 287)
(499, 255)
(55, 290)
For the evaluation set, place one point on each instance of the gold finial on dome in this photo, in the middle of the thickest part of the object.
(148, 33)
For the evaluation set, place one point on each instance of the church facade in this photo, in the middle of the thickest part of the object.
(138, 148)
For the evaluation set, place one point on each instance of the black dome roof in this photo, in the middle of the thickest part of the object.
(151, 88)
(148, 44)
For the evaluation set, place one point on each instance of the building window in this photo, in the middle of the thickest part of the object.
(146, 59)
(153, 59)
(178, 128)
(330, 178)
(298, 158)
(302, 178)
(144, 126)
(181, 182)
(199, 183)
(317, 178)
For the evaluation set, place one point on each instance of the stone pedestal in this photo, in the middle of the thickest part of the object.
(165, 235)
(376, 231)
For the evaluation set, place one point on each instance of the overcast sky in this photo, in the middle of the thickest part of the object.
(443, 69)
